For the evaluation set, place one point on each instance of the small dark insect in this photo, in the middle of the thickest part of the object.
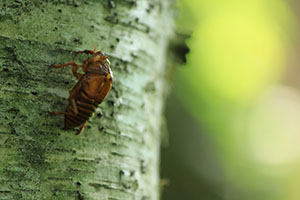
(90, 90)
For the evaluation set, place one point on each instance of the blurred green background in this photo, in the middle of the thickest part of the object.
(234, 113)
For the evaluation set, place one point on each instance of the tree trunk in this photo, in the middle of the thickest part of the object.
(117, 155)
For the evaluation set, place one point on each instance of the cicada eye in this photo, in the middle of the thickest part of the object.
(101, 53)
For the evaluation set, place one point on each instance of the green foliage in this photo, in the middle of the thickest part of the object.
(238, 49)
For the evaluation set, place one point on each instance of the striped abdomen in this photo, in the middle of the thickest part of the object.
(85, 106)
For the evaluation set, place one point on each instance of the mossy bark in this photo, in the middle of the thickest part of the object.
(117, 155)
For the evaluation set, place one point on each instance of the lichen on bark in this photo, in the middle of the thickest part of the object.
(117, 156)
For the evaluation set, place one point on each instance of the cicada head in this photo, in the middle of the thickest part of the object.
(99, 56)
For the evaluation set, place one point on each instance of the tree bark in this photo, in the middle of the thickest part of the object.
(117, 155)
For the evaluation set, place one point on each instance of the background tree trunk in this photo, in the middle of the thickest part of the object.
(117, 155)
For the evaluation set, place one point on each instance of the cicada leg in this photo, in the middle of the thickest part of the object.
(74, 113)
(60, 113)
(75, 67)
(87, 52)
(81, 128)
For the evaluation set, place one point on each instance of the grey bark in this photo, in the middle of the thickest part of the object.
(117, 155)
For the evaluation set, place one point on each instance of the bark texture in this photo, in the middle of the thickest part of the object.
(117, 155)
